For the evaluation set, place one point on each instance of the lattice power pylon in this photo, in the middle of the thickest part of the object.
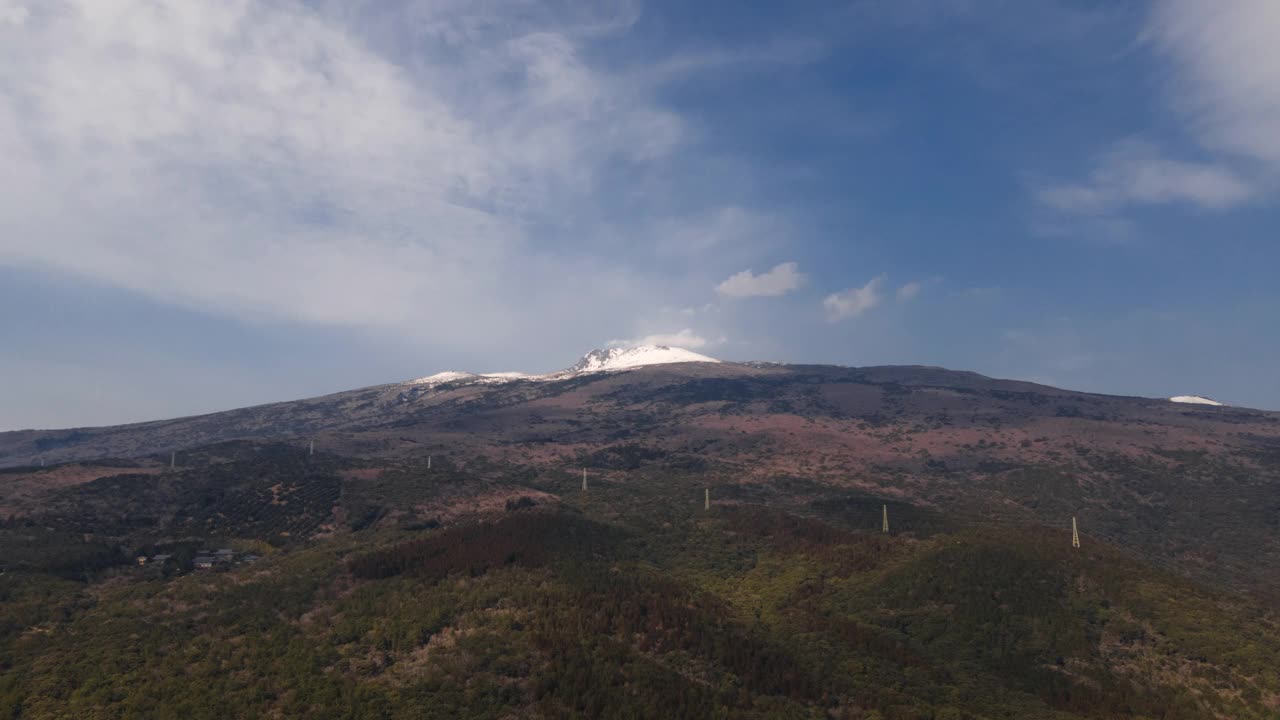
(884, 523)
(1075, 533)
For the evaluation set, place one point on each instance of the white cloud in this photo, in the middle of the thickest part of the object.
(12, 14)
(782, 279)
(1227, 71)
(1225, 83)
(722, 230)
(685, 338)
(909, 291)
(266, 161)
(854, 301)
(1136, 173)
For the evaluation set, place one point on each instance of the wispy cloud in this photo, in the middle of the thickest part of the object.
(1226, 71)
(1224, 82)
(854, 301)
(685, 338)
(726, 229)
(1136, 173)
(782, 279)
(271, 161)
(11, 14)
(909, 291)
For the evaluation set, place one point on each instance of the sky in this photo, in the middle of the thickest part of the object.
(210, 204)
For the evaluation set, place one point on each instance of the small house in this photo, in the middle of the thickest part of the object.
(204, 562)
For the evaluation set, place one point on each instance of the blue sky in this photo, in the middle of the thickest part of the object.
(206, 205)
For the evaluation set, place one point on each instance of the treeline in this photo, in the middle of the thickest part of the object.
(276, 494)
(658, 615)
(845, 551)
(523, 539)
(25, 546)
(1031, 612)
(565, 616)
(598, 636)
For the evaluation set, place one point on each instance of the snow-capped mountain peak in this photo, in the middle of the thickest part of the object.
(1194, 399)
(447, 376)
(454, 376)
(623, 358)
(594, 361)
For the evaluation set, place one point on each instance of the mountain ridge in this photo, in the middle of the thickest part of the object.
(1141, 471)
(622, 358)
(598, 360)
(373, 404)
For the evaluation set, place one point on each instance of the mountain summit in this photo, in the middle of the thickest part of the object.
(594, 361)
(622, 358)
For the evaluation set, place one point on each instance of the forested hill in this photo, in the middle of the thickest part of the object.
(1194, 487)
(486, 590)
(440, 554)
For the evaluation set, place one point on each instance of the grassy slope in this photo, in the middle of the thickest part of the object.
(627, 603)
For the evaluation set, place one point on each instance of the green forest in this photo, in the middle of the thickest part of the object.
(626, 601)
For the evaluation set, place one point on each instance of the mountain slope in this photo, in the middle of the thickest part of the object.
(437, 555)
(632, 357)
(596, 361)
(629, 603)
(1192, 486)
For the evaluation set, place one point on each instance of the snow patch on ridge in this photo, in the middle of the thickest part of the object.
(595, 361)
(1195, 400)
(455, 377)
(639, 356)
(441, 378)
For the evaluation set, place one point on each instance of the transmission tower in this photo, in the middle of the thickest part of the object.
(173, 460)
(311, 449)
(884, 523)
(706, 503)
(584, 479)
(1075, 533)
